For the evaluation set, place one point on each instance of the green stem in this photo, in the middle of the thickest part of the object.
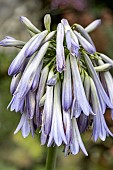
(51, 158)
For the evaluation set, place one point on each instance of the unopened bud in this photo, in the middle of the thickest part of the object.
(47, 21)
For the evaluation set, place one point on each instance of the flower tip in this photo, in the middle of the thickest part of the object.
(9, 37)
(99, 21)
(8, 107)
(64, 21)
(93, 25)
(86, 153)
(10, 71)
(66, 107)
(27, 53)
(60, 69)
(15, 132)
(1, 43)
(21, 18)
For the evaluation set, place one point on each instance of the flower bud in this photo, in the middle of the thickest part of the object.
(86, 45)
(47, 21)
(29, 25)
(93, 25)
(11, 42)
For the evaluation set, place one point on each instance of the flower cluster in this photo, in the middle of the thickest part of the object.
(60, 84)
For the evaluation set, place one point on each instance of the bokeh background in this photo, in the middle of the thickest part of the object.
(17, 153)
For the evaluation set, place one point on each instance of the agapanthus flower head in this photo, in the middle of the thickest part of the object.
(60, 84)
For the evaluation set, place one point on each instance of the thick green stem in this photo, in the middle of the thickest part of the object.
(51, 158)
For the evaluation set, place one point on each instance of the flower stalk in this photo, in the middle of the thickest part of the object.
(51, 158)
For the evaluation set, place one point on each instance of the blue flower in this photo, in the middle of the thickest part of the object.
(60, 85)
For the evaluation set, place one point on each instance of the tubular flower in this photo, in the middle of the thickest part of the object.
(60, 58)
(61, 85)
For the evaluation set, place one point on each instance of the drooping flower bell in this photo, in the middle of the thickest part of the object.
(60, 84)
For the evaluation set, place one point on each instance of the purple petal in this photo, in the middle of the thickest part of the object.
(78, 88)
(86, 45)
(35, 44)
(76, 140)
(16, 104)
(48, 107)
(30, 73)
(100, 128)
(67, 87)
(20, 58)
(74, 48)
(11, 42)
(93, 25)
(25, 128)
(57, 132)
(68, 28)
(49, 36)
(53, 80)
(37, 77)
(40, 92)
(68, 39)
(67, 125)
(14, 83)
(82, 123)
(60, 56)
(43, 138)
(98, 84)
(84, 33)
(29, 25)
(106, 58)
(20, 123)
(76, 109)
(109, 82)
(30, 104)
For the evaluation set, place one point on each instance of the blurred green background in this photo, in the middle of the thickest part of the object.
(17, 153)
